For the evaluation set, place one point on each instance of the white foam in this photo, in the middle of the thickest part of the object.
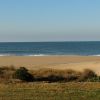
(5, 55)
(22, 55)
(95, 55)
(36, 55)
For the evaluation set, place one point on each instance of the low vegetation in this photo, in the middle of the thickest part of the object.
(23, 74)
(10, 74)
(48, 84)
(50, 91)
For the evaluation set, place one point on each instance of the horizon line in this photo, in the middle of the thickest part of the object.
(47, 41)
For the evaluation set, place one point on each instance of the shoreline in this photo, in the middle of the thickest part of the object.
(78, 63)
(43, 55)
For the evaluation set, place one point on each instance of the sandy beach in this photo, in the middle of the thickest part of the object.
(56, 62)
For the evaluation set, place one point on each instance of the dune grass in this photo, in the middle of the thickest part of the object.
(10, 75)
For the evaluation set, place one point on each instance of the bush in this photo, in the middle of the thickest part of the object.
(53, 75)
(54, 78)
(70, 75)
(87, 74)
(1, 72)
(70, 78)
(23, 74)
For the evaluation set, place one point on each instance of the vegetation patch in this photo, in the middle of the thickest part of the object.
(23, 74)
(10, 75)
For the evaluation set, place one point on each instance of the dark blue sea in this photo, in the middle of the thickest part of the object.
(49, 48)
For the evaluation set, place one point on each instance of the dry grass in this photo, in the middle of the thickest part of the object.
(48, 75)
(50, 91)
(87, 74)
(6, 73)
(55, 75)
(18, 90)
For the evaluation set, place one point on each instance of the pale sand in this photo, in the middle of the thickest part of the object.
(57, 62)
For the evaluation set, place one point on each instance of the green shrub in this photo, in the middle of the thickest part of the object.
(23, 74)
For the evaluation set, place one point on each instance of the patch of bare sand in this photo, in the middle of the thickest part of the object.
(57, 62)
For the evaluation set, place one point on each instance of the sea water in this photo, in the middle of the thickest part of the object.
(49, 48)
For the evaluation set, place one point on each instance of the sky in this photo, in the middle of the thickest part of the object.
(49, 20)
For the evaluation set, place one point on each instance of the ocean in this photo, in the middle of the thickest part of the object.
(49, 48)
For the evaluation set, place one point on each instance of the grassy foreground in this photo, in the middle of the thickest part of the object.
(50, 91)
(48, 84)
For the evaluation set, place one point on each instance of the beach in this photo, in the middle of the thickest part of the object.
(78, 63)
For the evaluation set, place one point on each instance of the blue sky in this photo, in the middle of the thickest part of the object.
(49, 20)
